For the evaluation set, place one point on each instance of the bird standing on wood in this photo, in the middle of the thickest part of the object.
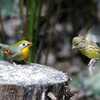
(87, 48)
(16, 52)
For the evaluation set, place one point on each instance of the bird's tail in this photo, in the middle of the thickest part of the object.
(2, 47)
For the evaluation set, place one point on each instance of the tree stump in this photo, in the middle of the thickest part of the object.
(32, 82)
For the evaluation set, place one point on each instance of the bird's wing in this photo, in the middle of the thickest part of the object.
(94, 44)
(16, 56)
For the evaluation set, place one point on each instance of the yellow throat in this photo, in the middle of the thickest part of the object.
(25, 53)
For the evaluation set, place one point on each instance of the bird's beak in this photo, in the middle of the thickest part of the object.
(73, 47)
(30, 44)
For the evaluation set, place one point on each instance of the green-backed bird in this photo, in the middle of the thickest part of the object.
(87, 48)
(19, 51)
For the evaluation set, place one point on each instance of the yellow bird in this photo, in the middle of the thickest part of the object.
(87, 48)
(19, 51)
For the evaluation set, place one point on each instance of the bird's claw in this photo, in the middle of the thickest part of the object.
(91, 66)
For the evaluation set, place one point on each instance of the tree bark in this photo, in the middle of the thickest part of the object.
(44, 83)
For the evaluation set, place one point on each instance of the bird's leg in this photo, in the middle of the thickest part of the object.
(91, 65)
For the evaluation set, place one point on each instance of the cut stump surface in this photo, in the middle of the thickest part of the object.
(32, 82)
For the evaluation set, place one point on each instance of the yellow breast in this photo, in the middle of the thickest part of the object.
(91, 52)
(25, 53)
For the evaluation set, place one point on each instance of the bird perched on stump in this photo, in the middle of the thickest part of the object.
(16, 52)
(87, 48)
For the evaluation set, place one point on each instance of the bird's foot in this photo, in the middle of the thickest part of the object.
(91, 66)
(92, 62)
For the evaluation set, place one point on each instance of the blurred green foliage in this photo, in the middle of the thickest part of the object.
(34, 14)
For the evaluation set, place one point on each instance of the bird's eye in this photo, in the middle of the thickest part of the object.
(23, 44)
